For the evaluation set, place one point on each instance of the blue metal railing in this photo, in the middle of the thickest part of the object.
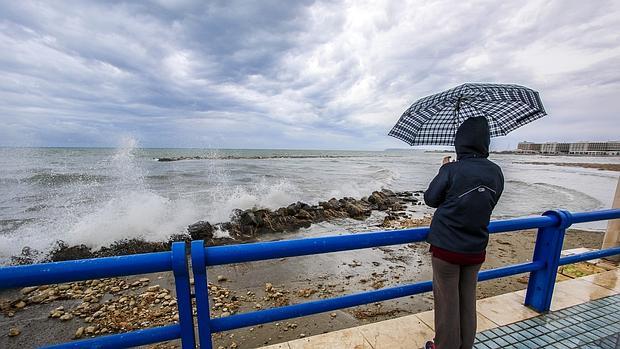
(58, 272)
(543, 269)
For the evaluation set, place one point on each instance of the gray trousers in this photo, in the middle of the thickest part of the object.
(454, 290)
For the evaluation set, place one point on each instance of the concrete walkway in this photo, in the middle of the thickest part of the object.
(585, 313)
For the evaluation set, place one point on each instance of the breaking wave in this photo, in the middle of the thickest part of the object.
(128, 208)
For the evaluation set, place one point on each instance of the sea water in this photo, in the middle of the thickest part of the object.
(95, 196)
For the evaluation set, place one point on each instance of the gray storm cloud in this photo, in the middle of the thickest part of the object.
(306, 74)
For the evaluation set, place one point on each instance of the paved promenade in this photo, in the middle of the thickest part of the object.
(585, 313)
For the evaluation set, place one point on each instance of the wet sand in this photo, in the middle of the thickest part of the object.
(250, 286)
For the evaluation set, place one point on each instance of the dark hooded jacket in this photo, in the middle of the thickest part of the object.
(465, 192)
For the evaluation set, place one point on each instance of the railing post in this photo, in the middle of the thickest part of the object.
(199, 267)
(183, 290)
(547, 250)
(612, 235)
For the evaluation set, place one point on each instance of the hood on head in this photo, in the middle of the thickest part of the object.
(472, 139)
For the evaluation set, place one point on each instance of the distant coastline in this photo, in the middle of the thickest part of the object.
(515, 152)
(589, 148)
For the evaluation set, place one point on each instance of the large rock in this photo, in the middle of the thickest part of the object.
(292, 209)
(63, 252)
(248, 218)
(378, 200)
(261, 216)
(303, 214)
(332, 204)
(200, 230)
(383, 200)
(357, 211)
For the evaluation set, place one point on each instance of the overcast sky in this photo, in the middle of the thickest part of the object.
(294, 74)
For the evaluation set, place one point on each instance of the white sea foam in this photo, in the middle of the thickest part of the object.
(361, 187)
(136, 214)
(259, 195)
(131, 210)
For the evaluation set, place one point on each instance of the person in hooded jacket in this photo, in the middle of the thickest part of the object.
(464, 192)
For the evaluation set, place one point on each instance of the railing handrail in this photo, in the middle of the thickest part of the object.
(126, 339)
(551, 225)
(84, 269)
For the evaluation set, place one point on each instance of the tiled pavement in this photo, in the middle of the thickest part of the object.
(609, 342)
(591, 325)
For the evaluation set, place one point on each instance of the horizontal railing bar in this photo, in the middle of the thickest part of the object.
(510, 270)
(590, 255)
(218, 255)
(125, 340)
(506, 225)
(84, 269)
(601, 215)
(325, 305)
(315, 307)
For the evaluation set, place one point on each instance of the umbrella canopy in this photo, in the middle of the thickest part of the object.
(433, 120)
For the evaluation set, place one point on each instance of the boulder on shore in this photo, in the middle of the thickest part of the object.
(200, 230)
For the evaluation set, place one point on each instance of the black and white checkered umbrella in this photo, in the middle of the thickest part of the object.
(433, 120)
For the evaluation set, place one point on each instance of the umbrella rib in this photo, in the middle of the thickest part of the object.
(489, 118)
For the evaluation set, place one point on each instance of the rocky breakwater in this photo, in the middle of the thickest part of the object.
(182, 158)
(252, 223)
(247, 225)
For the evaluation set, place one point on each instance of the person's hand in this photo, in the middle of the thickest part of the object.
(446, 159)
